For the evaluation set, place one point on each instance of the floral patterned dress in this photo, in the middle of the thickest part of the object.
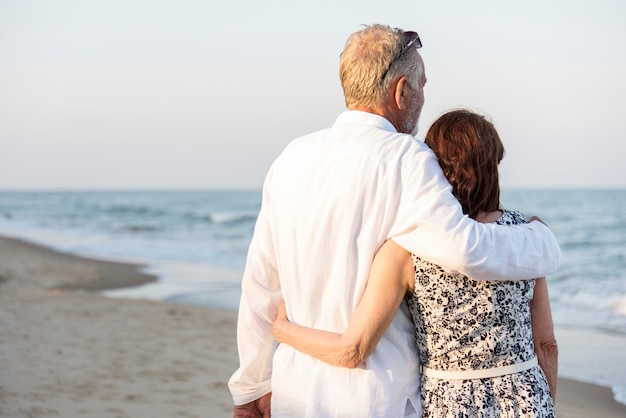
(463, 324)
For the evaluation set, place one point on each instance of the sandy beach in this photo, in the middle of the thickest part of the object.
(66, 351)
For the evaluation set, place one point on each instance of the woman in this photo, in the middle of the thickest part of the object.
(474, 338)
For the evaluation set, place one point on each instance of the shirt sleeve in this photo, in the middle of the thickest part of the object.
(431, 224)
(257, 310)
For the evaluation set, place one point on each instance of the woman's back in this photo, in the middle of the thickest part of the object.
(463, 324)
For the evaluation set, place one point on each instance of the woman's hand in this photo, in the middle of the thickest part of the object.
(280, 322)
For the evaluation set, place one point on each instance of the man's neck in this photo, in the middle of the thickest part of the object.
(380, 111)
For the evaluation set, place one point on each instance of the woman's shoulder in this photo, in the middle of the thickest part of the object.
(511, 217)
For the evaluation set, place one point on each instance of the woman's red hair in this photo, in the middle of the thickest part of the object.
(469, 150)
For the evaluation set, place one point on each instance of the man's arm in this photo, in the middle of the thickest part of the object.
(431, 224)
(546, 347)
(260, 295)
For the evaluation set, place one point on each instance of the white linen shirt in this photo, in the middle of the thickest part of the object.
(330, 200)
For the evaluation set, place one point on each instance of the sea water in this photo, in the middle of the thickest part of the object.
(196, 243)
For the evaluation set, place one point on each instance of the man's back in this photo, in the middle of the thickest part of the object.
(333, 199)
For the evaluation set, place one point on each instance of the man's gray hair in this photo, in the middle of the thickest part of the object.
(364, 60)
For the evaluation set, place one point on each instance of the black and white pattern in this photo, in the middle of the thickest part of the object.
(463, 324)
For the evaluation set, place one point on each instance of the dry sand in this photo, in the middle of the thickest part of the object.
(68, 352)
(72, 353)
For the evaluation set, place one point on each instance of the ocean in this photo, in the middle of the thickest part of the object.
(196, 243)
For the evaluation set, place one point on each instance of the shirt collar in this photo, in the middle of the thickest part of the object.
(364, 118)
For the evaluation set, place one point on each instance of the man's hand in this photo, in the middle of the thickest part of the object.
(536, 218)
(255, 409)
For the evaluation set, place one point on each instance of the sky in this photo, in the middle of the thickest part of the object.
(190, 94)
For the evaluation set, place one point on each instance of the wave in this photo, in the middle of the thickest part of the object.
(589, 304)
(135, 210)
(226, 217)
(139, 228)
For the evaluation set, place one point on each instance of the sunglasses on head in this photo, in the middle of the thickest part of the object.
(409, 39)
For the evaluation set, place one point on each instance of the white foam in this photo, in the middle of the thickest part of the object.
(618, 304)
(619, 393)
(185, 282)
(152, 291)
(193, 274)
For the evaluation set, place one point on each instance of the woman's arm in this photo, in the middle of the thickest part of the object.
(546, 347)
(391, 276)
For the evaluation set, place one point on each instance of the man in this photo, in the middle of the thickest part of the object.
(329, 201)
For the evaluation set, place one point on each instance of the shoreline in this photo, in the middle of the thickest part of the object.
(69, 351)
(67, 271)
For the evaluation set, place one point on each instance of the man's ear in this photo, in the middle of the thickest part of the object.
(399, 95)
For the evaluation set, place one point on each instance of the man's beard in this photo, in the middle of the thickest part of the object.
(411, 124)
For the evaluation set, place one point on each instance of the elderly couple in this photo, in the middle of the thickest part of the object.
(386, 269)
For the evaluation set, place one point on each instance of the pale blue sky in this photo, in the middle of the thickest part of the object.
(201, 94)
